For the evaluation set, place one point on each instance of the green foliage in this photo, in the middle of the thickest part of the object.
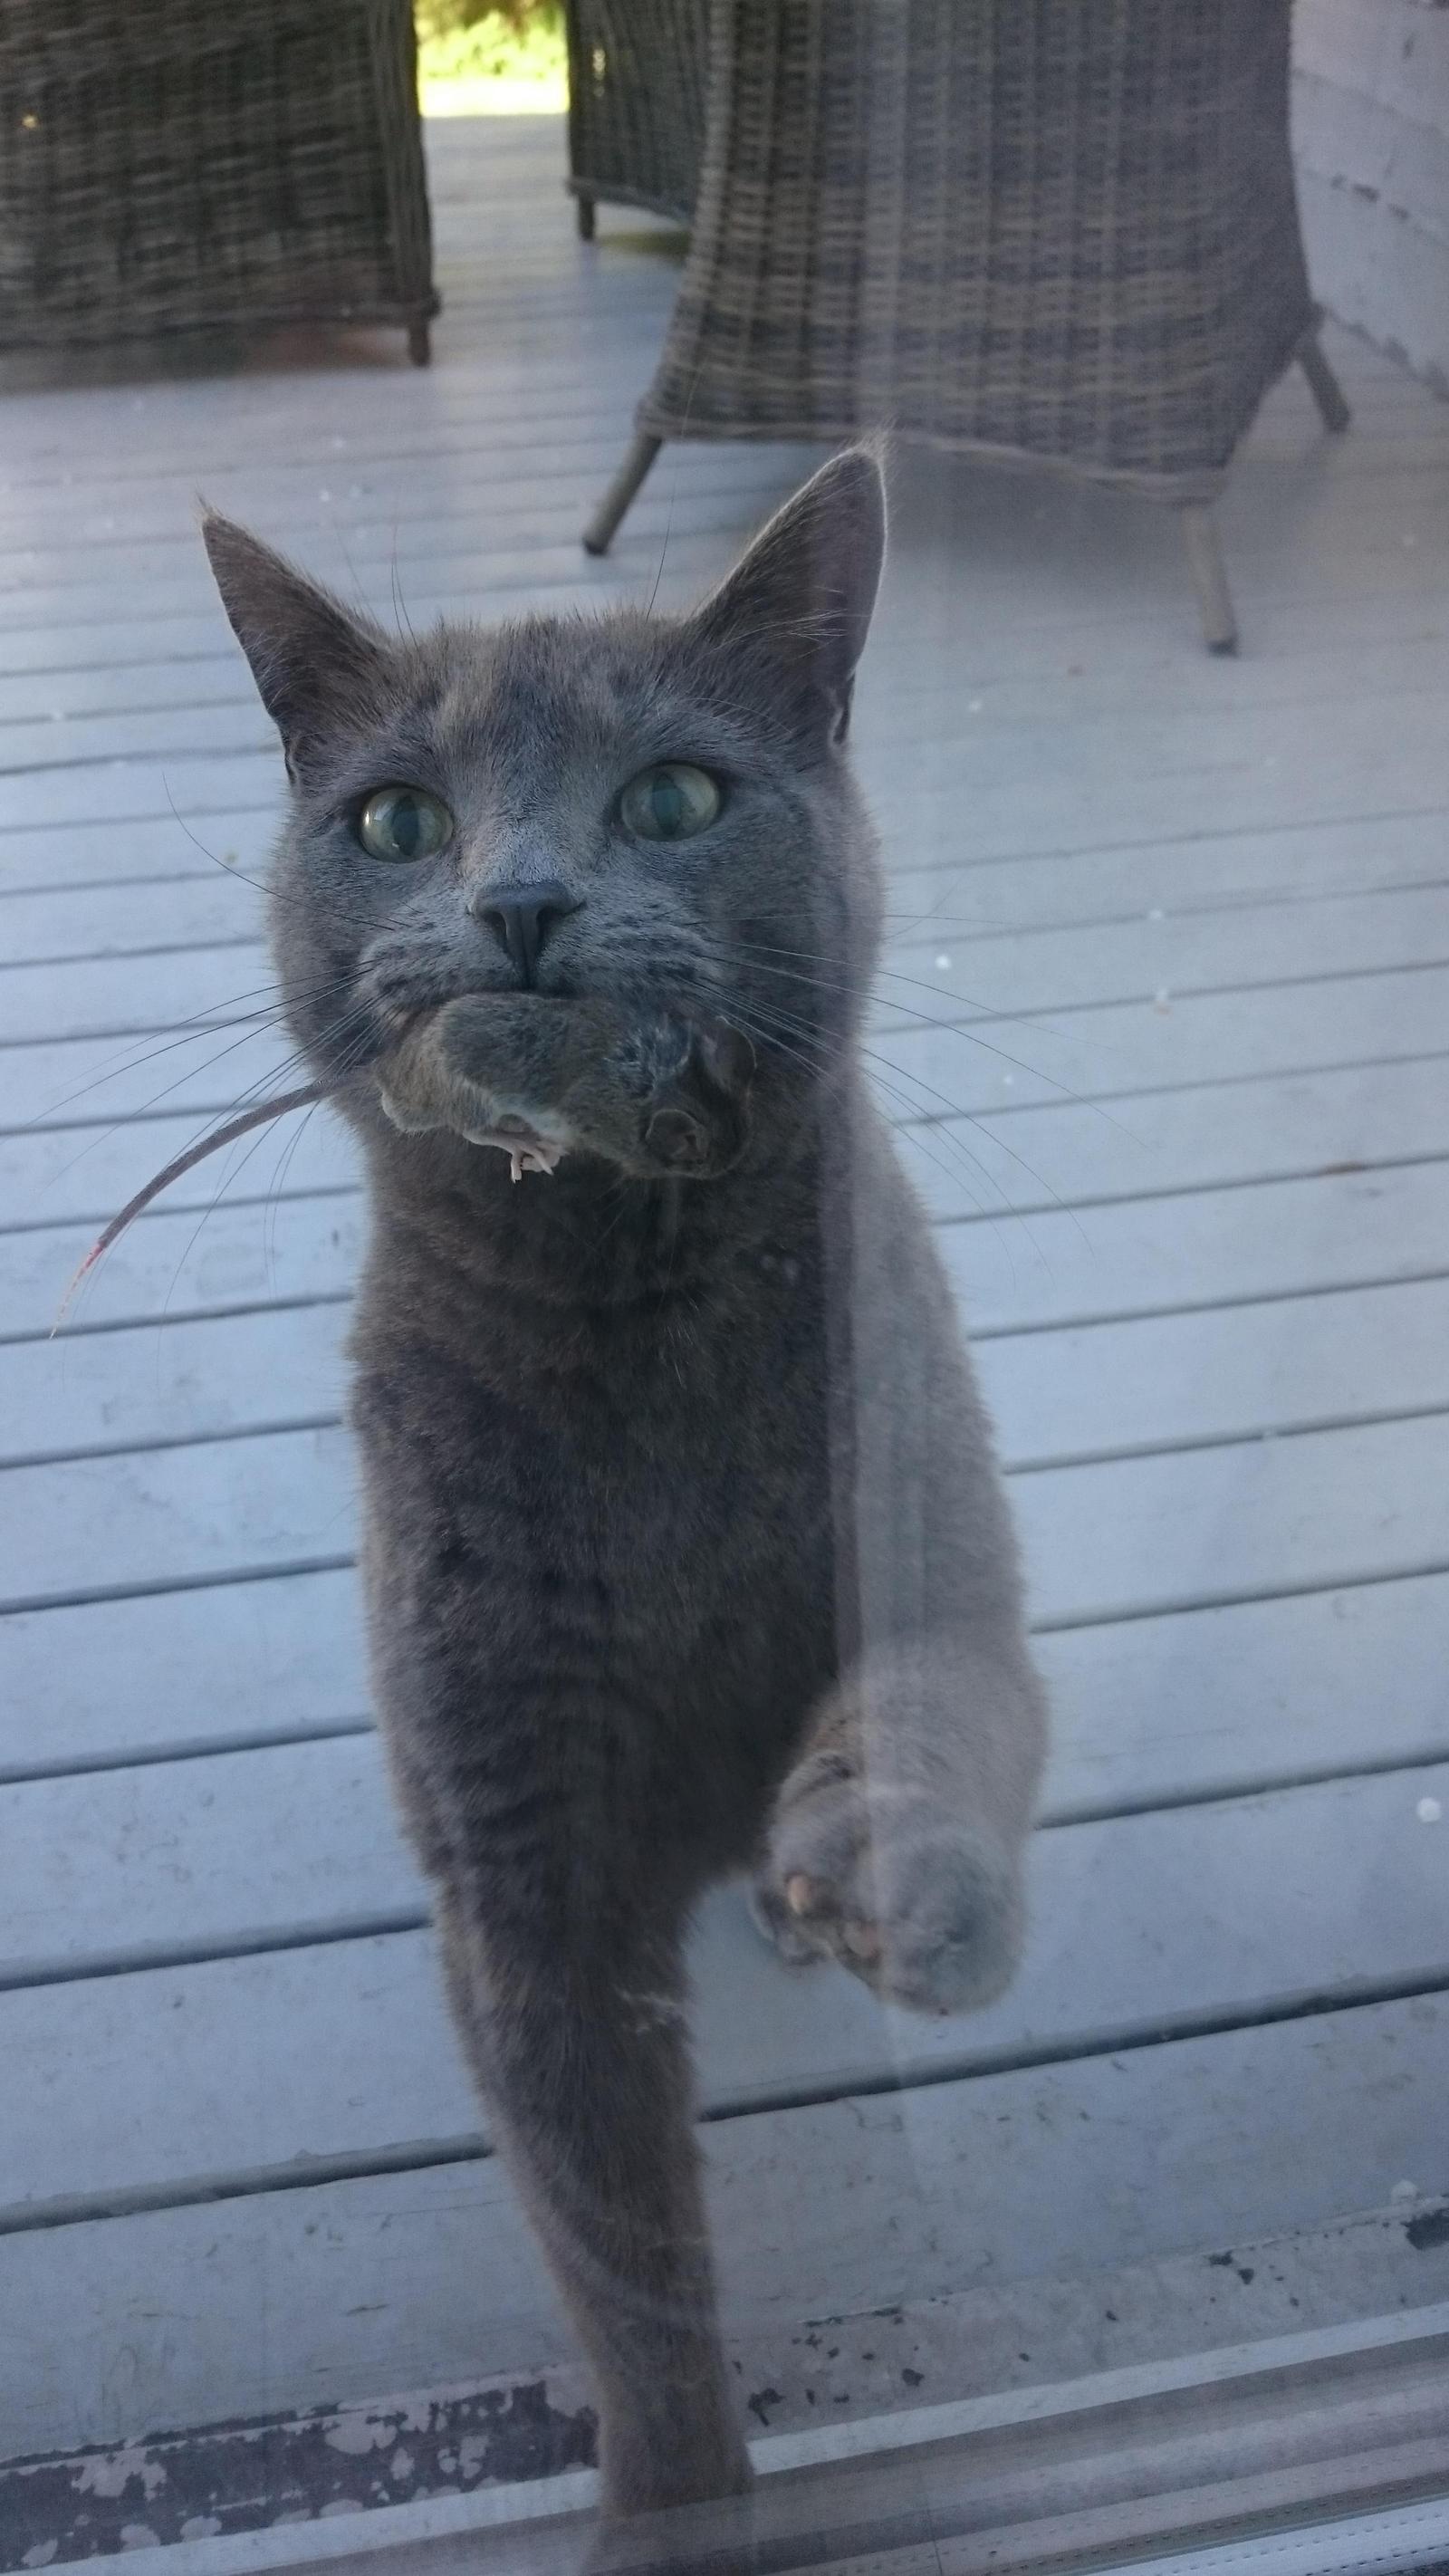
(502, 23)
(468, 49)
(466, 44)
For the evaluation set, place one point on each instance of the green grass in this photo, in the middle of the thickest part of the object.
(498, 66)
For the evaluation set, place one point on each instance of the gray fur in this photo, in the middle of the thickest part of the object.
(686, 1551)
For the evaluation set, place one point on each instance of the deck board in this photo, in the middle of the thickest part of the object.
(1234, 1371)
(1151, 1711)
(56, 919)
(1211, 1294)
(1106, 1538)
(1186, 1251)
(1083, 966)
(1106, 1050)
(1148, 1712)
(125, 2081)
(276, 2300)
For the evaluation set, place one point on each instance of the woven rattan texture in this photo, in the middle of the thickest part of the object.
(174, 164)
(637, 101)
(1062, 230)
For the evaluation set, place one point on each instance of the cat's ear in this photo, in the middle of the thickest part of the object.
(319, 670)
(803, 594)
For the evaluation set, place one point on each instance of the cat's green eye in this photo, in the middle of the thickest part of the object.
(670, 802)
(403, 823)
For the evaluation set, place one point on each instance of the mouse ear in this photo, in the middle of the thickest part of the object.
(803, 594)
(319, 670)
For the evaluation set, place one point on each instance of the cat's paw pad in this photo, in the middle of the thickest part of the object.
(927, 1912)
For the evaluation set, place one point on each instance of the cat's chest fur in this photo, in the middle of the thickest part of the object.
(630, 1494)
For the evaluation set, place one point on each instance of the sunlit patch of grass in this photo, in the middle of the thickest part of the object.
(503, 64)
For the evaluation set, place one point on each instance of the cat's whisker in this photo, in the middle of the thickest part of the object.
(806, 1047)
(111, 1072)
(107, 1133)
(401, 618)
(675, 467)
(969, 1031)
(202, 1024)
(916, 1134)
(357, 1012)
(351, 1056)
(952, 1107)
(197, 1152)
(970, 925)
(129, 1058)
(232, 1173)
(620, 1210)
(958, 1145)
(800, 1053)
(175, 1170)
(918, 984)
(263, 885)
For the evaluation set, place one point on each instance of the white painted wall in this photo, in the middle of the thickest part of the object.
(1371, 136)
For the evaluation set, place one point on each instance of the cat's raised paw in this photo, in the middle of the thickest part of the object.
(927, 1912)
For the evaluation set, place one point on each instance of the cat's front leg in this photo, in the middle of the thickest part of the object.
(898, 1838)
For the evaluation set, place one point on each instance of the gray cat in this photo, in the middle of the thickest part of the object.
(685, 1550)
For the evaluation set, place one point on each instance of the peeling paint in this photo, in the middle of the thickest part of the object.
(356, 2434)
(112, 2472)
(249, 2476)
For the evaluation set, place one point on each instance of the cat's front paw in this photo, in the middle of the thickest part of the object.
(925, 1909)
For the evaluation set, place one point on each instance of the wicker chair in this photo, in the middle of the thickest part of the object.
(1052, 231)
(189, 164)
(636, 104)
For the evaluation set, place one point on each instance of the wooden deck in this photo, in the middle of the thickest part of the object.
(1167, 1023)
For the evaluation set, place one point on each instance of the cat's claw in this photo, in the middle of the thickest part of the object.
(805, 1896)
(774, 1922)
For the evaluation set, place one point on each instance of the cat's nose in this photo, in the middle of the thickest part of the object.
(521, 917)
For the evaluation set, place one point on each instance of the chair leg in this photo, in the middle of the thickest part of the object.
(1210, 581)
(1323, 384)
(603, 526)
(420, 344)
(584, 213)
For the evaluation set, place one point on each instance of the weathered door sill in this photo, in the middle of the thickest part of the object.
(1333, 2442)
